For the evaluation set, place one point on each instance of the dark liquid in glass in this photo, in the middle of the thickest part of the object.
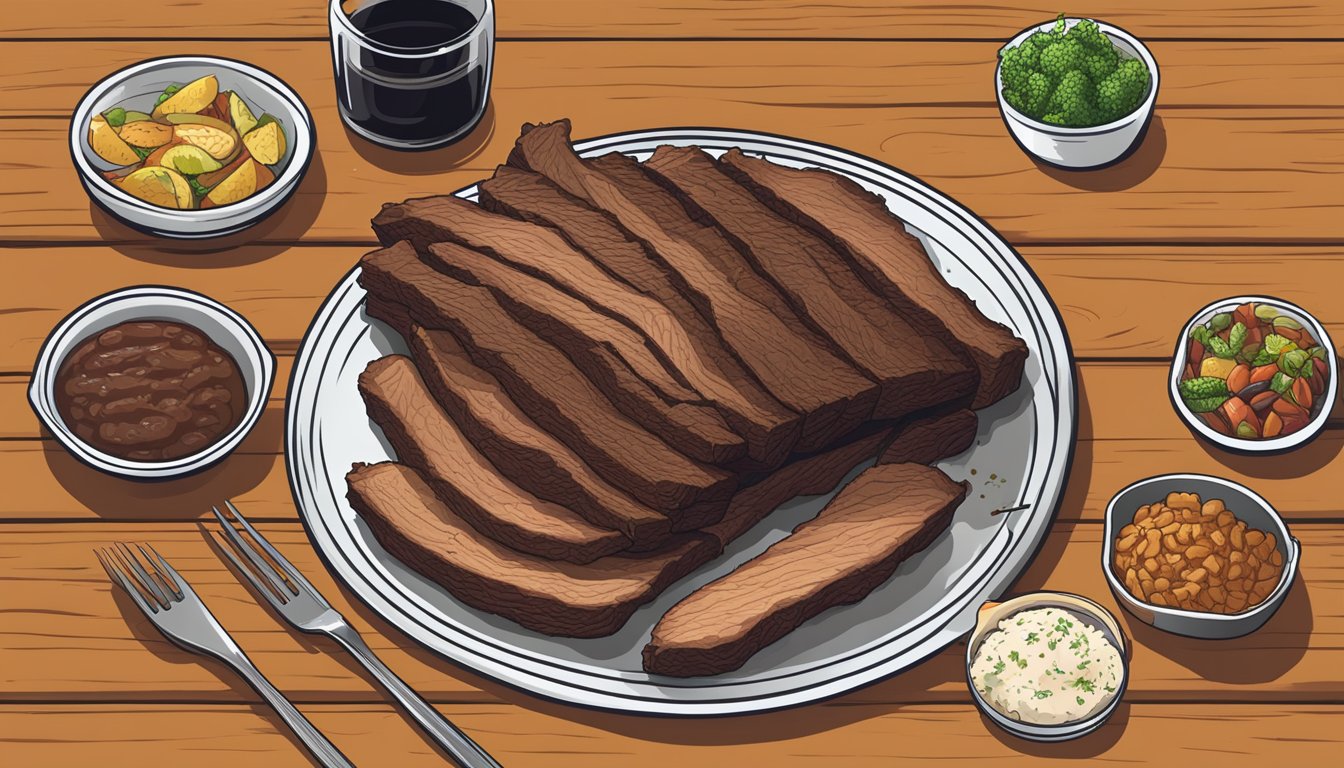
(421, 100)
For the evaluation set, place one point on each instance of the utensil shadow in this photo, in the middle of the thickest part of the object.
(272, 236)
(1142, 162)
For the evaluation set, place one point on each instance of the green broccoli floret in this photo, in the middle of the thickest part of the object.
(1072, 104)
(1120, 92)
(1090, 36)
(1033, 98)
(1061, 57)
(1073, 77)
(1098, 63)
(1018, 63)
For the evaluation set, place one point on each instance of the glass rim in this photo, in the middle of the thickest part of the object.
(337, 12)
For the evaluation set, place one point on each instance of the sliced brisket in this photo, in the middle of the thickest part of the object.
(541, 380)
(771, 429)
(523, 451)
(930, 439)
(426, 439)
(914, 370)
(859, 225)
(882, 517)
(794, 364)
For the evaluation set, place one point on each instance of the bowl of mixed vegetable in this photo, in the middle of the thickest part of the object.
(191, 146)
(1254, 374)
(1076, 93)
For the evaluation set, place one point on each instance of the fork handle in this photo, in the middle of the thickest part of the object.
(322, 748)
(466, 752)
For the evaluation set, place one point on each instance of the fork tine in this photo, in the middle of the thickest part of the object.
(300, 583)
(119, 578)
(131, 562)
(263, 568)
(161, 569)
(227, 548)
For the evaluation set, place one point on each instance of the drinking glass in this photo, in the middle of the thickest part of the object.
(412, 74)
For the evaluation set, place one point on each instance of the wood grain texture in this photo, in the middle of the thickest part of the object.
(67, 637)
(1283, 190)
(860, 19)
(1126, 430)
(798, 73)
(1149, 291)
(867, 736)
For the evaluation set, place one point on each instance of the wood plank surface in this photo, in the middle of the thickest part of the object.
(1176, 188)
(865, 736)
(1151, 291)
(861, 19)
(1195, 74)
(68, 637)
(1127, 430)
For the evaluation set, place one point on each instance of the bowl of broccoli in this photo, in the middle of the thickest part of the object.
(1076, 93)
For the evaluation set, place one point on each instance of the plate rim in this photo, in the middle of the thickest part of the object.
(997, 581)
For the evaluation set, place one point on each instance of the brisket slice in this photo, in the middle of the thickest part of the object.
(882, 517)
(525, 453)
(542, 595)
(542, 381)
(554, 597)
(859, 225)
(914, 371)
(768, 428)
(930, 439)
(794, 364)
(426, 439)
(601, 347)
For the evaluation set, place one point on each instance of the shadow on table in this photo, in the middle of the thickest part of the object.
(258, 243)
(419, 163)
(1130, 172)
(114, 498)
(1259, 657)
(1300, 462)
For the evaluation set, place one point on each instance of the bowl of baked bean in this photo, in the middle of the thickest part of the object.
(1197, 555)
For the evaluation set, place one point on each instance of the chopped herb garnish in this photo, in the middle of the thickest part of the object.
(1032, 638)
(1044, 694)
(1079, 699)
(1085, 684)
(998, 667)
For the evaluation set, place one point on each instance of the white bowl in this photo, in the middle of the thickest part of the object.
(137, 87)
(1323, 405)
(1086, 611)
(1082, 148)
(221, 325)
(1242, 502)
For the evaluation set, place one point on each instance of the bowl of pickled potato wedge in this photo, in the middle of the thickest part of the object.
(1198, 556)
(191, 146)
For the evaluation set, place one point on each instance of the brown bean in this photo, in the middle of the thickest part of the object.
(1157, 599)
(1129, 530)
(1150, 565)
(1146, 585)
(1165, 518)
(1234, 572)
(1170, 529)
(1218, 538)
(1170, 544)
(1218, 594)
(1173, 559)
(1183, 535)
(1144, 575)
(1197, 552)
(1236, 556)
(1194, 587)
(1198, 574)
(1253, 538)
(1212, 564)
(1143, 514)
(1226, 518)
(1155, 542)
(1276, 558)
(1263, 588)
(1238, 537)
(1212, 507)
(1126, 543)
(1161, 584)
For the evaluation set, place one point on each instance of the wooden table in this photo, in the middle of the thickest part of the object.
(1237, 189)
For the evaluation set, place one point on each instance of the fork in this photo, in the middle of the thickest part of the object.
(300, 604)
(173, 606)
